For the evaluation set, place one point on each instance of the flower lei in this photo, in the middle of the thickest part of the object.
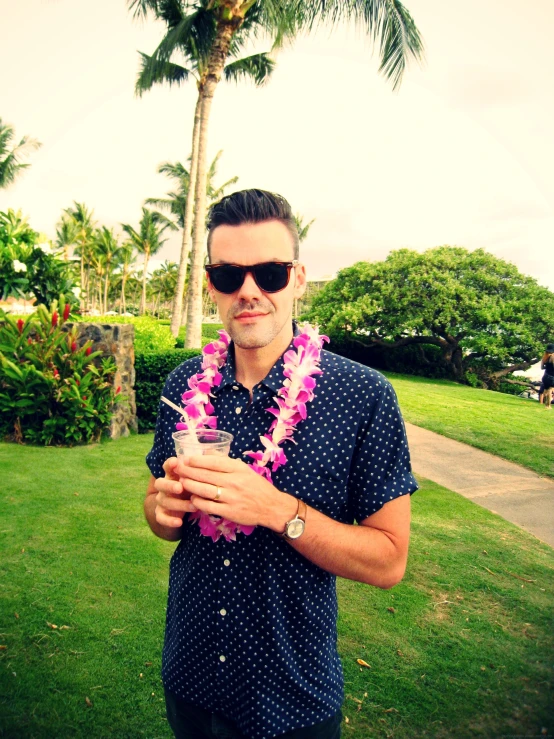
(300, 367)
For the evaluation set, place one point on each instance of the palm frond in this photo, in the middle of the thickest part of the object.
(142, 8)
(153, 71)
(257, 67)
(387, 22)
(399, 37)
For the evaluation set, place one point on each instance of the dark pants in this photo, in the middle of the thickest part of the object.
(191, 722)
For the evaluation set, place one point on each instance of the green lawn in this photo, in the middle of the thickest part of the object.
(515, 428)
(461, 648)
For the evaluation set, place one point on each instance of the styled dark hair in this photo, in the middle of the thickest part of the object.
(252, 206)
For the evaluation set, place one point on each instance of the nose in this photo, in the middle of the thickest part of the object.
(249, 290)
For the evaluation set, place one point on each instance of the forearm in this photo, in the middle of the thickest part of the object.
(169, 533)
(360, 553)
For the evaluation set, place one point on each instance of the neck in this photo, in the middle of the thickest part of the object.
(252, 365)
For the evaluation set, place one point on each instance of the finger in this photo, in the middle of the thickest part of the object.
(207, 506)
(214, 462)
(205, 490)
(164, 518)
(170, 503)
(202, 475)
(167, 485)
(169, 467)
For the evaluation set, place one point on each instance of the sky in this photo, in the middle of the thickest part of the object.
(462, 154)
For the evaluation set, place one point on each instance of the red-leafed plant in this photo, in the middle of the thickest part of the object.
(51, 390)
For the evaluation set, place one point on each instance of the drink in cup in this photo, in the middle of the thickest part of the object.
(202, 441)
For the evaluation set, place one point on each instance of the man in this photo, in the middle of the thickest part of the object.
(250, 642)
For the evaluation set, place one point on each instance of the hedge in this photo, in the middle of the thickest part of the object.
(152, 370)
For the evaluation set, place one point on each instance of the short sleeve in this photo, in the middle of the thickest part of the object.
(380, 469)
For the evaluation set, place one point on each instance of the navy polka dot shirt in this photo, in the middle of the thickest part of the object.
(251, 624)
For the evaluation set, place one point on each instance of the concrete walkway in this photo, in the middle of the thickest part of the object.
(515, 493)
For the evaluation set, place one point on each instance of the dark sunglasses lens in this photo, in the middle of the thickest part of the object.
(227, 278)
(272, 277)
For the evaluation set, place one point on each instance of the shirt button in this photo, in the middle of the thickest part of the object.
(223, 612)
(226, 562)
(238, 410)
(222, 658)
(235, 387)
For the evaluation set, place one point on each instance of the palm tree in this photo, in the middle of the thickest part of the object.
(106, 251)
(125, 263)
(147, 240)
(301, 228)
(66, 235)
(84, 225)
(191, 30)
(10, 164)
(231, 22)
(176, 204)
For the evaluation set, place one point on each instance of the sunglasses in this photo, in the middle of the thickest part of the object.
(271, 277)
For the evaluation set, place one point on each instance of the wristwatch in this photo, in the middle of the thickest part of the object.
(295, 527)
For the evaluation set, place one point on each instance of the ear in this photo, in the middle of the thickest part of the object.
(299, 280)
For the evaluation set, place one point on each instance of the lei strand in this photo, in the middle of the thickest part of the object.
(300, 368)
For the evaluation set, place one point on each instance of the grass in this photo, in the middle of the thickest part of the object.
(464, 652)
(516, 429)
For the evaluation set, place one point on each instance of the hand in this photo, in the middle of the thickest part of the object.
(172, 501)
(246, 497)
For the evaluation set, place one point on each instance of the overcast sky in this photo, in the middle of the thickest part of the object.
(461, 155)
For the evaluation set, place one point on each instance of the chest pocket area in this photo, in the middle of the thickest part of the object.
(324, 494)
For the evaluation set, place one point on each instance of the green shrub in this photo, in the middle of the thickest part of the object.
(29, 268)
(51, 391)
(150, 334)
(152, 370)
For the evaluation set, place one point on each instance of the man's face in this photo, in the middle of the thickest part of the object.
(252, 317)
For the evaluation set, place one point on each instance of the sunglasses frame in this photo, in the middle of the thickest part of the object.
(250, 269)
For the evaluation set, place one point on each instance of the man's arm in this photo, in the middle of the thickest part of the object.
(375, 552)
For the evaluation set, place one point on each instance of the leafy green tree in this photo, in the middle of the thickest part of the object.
(228, 24)
(10, 155)
(480, 311)
(148, 241)
(176, 204)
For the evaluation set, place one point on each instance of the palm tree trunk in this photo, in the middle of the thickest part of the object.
(216, 63)
(106, 287)
(185, 246)
(122, 308)
(82, 296)
(142, 308)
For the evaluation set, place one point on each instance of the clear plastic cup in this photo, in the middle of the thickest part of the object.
(202, 441)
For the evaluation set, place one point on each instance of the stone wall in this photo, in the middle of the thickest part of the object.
(115, 340)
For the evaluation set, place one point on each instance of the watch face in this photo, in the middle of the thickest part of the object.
(295, 528)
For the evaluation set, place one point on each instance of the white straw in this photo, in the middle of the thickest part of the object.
(180, 411)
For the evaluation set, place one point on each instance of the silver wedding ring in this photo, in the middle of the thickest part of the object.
(218, 494)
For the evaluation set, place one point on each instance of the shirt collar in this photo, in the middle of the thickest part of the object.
(273, 380)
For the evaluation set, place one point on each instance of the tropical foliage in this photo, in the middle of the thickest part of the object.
(29, 267)
(484, 316)
(11, 154)
(52, 391)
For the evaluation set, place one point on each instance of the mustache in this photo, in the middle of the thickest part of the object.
(250, 305)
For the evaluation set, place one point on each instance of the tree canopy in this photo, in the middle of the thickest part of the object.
(482, 313)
